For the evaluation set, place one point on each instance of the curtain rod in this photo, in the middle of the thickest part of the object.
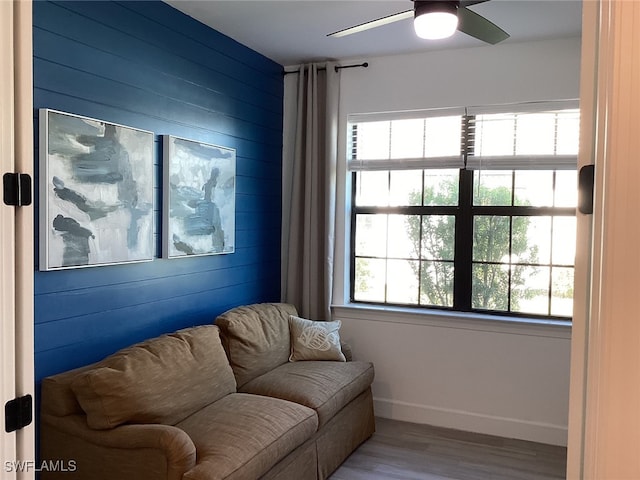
(337, 68)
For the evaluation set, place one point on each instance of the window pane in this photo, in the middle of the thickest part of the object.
(568, 133)
(490, 287)
(530, 290)
(369, 280)
(490, 238)
(441, 187)
(403, 236)
(442, 136)
(533, 188)
(492, 187)
(436, 284)
(566, 193)
(371, 234)
(438, 237)
(407, 138)
(535, 134)
(402, 281)
(372, 140)
(494, 135)
(405, 188)
(531, 240)
(562, 291)
(564, 243)
(372, 189)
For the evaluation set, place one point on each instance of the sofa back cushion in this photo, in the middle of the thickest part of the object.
(256, 338)
(162, 380)
(56, 395)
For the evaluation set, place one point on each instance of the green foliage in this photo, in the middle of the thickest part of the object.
(494, 240)
(364, 275)
(433, 240)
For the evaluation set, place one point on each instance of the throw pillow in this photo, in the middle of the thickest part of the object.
(312, 340)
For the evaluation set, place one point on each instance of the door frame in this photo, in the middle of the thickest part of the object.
(589, 85)
(604, 423)
(7, 230)
(17, 235)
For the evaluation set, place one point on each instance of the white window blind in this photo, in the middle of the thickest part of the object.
(406, 140)
(529, 136)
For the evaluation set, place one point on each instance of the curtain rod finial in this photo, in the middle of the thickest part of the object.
(340, 67)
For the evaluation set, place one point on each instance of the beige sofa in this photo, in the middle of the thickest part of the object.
(211, 402)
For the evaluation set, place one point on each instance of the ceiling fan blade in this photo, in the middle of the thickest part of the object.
(479, 27)
(467, 3)
(373, 24)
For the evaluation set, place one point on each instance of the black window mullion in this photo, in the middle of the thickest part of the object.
(511, 265)
(352, 273)
(420, 261)
(408, 210)
(462, 284)
(550, 296)
(386, 240)
(505, 211)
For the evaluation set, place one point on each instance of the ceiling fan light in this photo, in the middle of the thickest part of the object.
(435, 20)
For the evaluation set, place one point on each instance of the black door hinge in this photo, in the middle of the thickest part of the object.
(16, 189)
(18, 413)
(585, 189)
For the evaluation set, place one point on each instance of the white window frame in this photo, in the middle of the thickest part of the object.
(343, 255)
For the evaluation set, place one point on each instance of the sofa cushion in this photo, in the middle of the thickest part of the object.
(242, 436)
(57, 396)
(162, 380)
(256, 338)
(324, 386)
(315, 340)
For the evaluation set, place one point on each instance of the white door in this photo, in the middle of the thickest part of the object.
(17, 453)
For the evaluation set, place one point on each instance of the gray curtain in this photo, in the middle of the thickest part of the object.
(309, 188)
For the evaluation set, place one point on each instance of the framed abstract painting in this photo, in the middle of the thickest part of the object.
(198, 198)
(96, 192)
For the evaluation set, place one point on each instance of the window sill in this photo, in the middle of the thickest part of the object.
(455, 320)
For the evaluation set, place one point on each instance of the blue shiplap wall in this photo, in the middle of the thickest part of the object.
(146, 65)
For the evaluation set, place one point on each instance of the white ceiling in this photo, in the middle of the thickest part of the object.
(294, 31)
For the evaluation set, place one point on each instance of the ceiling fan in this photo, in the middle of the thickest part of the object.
(435, 19)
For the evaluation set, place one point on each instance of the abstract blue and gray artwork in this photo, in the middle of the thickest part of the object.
(199, 198)
(97, 185)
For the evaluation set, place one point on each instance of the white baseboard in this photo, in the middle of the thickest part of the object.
(472, 422)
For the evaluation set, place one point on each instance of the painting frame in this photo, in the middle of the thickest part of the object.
(96, 192)
(199, 198)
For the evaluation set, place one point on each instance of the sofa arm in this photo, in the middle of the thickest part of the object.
(346, 351)
(136, 452)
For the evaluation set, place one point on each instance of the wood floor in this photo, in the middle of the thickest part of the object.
(400, 450)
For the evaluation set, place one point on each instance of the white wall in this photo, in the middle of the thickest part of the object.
(477, 374)
(546, 70)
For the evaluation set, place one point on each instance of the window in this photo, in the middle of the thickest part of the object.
(466, 210)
